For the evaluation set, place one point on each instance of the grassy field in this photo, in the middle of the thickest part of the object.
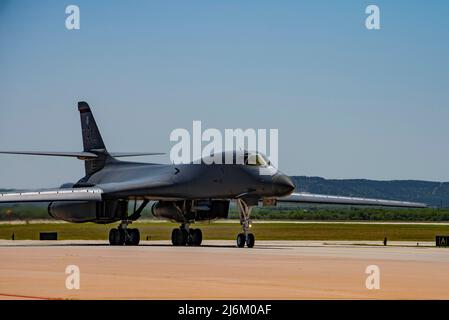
(228, 231)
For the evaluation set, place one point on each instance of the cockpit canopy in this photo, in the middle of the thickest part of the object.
(247, 158)
(256, 159)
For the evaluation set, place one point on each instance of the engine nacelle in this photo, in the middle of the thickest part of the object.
(171, 210)
(183, 211)
(88, 211)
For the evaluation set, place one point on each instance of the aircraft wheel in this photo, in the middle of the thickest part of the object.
(175, 236)
(241, 240)
(179, 237)
(113, 237)
(117, 237)
(121, 237)
(184, 237)
(250, 240)
(136, 237)
(133, 237)
(197, 237)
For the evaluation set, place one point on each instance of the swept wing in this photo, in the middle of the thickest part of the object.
(330, 199)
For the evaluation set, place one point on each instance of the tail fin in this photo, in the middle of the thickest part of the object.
(92, 140)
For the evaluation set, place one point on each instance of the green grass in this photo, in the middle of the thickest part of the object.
(307, 213)
(228, 231)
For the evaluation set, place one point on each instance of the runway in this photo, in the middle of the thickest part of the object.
(218, 270)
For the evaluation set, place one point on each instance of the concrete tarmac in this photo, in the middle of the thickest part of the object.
(219, 270)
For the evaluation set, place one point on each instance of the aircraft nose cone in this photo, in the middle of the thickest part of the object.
(283, 185)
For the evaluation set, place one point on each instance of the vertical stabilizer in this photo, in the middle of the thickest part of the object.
(91, 135)
(92, 140)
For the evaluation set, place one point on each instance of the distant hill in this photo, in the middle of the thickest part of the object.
(435, 194)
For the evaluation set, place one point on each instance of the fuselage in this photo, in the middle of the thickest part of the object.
(182, 192)
(189, 181)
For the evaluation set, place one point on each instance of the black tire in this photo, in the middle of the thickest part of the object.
(113, 237)
(136, 237)
(179, 237)
(197, 237)
(241, 239)
(250, 241)
(184, 237)
(121, 237)
(175, 237)
(133, 238)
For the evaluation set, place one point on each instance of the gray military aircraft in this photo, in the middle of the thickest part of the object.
(183, 193)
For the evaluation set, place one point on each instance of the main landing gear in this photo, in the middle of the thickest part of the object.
(124, 236)
(127, 236)
(246, 236)
(184, 236)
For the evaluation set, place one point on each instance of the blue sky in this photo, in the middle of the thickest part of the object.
(348, 102)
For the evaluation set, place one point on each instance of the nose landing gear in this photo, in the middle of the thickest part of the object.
(249, 239)
(246, 236)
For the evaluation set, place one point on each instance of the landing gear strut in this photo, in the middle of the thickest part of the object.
(246, 236)
(184, 236)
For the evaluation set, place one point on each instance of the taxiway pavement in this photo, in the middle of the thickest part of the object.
(219, 270)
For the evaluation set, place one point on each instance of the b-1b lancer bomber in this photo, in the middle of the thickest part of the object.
(183, 193)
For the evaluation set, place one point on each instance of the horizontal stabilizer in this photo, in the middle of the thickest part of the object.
(82, 155)
(67, 194)
(134, 154)
(79, 155)
(340, 200)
